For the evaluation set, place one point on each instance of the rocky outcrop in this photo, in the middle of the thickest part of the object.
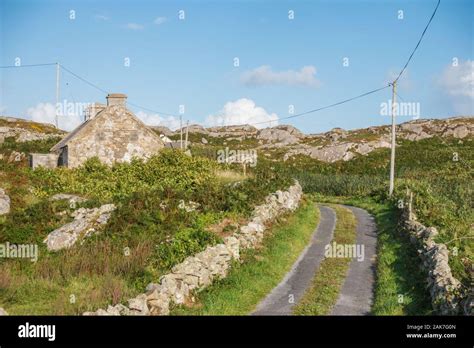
(199, 271)
(413, 131)
(162, 130)
(448, 296)
(364, 148)
(339, 148)
(336, 152)
(233, 131)
(4, 202)
(282, 135)
(458, 127)
(195, 128)
(336, 134)
(22, 135)
(86, 222)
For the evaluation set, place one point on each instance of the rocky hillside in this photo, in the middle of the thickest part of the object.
(24, 130)
(283, 141)
(337, 144)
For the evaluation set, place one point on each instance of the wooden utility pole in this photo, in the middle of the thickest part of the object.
(181, 131)
(57, 95)
(187, 129)
(392, 154)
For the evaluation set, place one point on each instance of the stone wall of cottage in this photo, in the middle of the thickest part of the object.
(115, 136)
(45, 160)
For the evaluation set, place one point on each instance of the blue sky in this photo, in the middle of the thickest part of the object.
(282, 61)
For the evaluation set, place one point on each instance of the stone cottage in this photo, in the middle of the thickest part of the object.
(110, 132)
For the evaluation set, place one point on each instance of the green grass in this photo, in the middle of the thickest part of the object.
(148, 222)
(398, 265)
(323, 293)
(262, 269)
(442, 187)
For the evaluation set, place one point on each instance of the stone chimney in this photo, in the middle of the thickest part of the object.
(92, 110)
(116, 99)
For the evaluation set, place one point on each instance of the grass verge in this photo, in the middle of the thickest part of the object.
(326, 284)
(400, 287)
(261, 270)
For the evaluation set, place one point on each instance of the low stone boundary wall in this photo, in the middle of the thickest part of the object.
(45, 160)
(448, 295)
(198, 271)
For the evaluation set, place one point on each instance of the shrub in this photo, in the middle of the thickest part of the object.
(341, 184)
(184, 243)
(168, 169)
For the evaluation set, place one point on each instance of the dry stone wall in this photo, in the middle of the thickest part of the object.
(448, 295)
(199, 271)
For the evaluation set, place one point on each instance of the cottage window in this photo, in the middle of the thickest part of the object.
(134, 136)
(100, 136)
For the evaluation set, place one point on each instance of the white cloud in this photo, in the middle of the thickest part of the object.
(160, 20)
(264, 75)
(458, 81)
(172, 122)
(46, 113)
(101, 17)
(242, 111)
(135, 26)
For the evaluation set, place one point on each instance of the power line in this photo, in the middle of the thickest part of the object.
(419, 41)
(394, 95)
(106, 92)
(90, 84)
(83, 79)
(151, 110)
(398, 95)
(324, 107)
(174, 115)
(25, 65)
(263, 122)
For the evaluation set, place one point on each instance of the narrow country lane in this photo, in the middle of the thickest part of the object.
(292, 288)
(356, 294)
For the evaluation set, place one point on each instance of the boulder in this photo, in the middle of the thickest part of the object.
(86, 222)
(458, 132)
(283, 135)
(4, 202)
(138, 305)
(411, 127)
(333, 153)
(336, 134)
